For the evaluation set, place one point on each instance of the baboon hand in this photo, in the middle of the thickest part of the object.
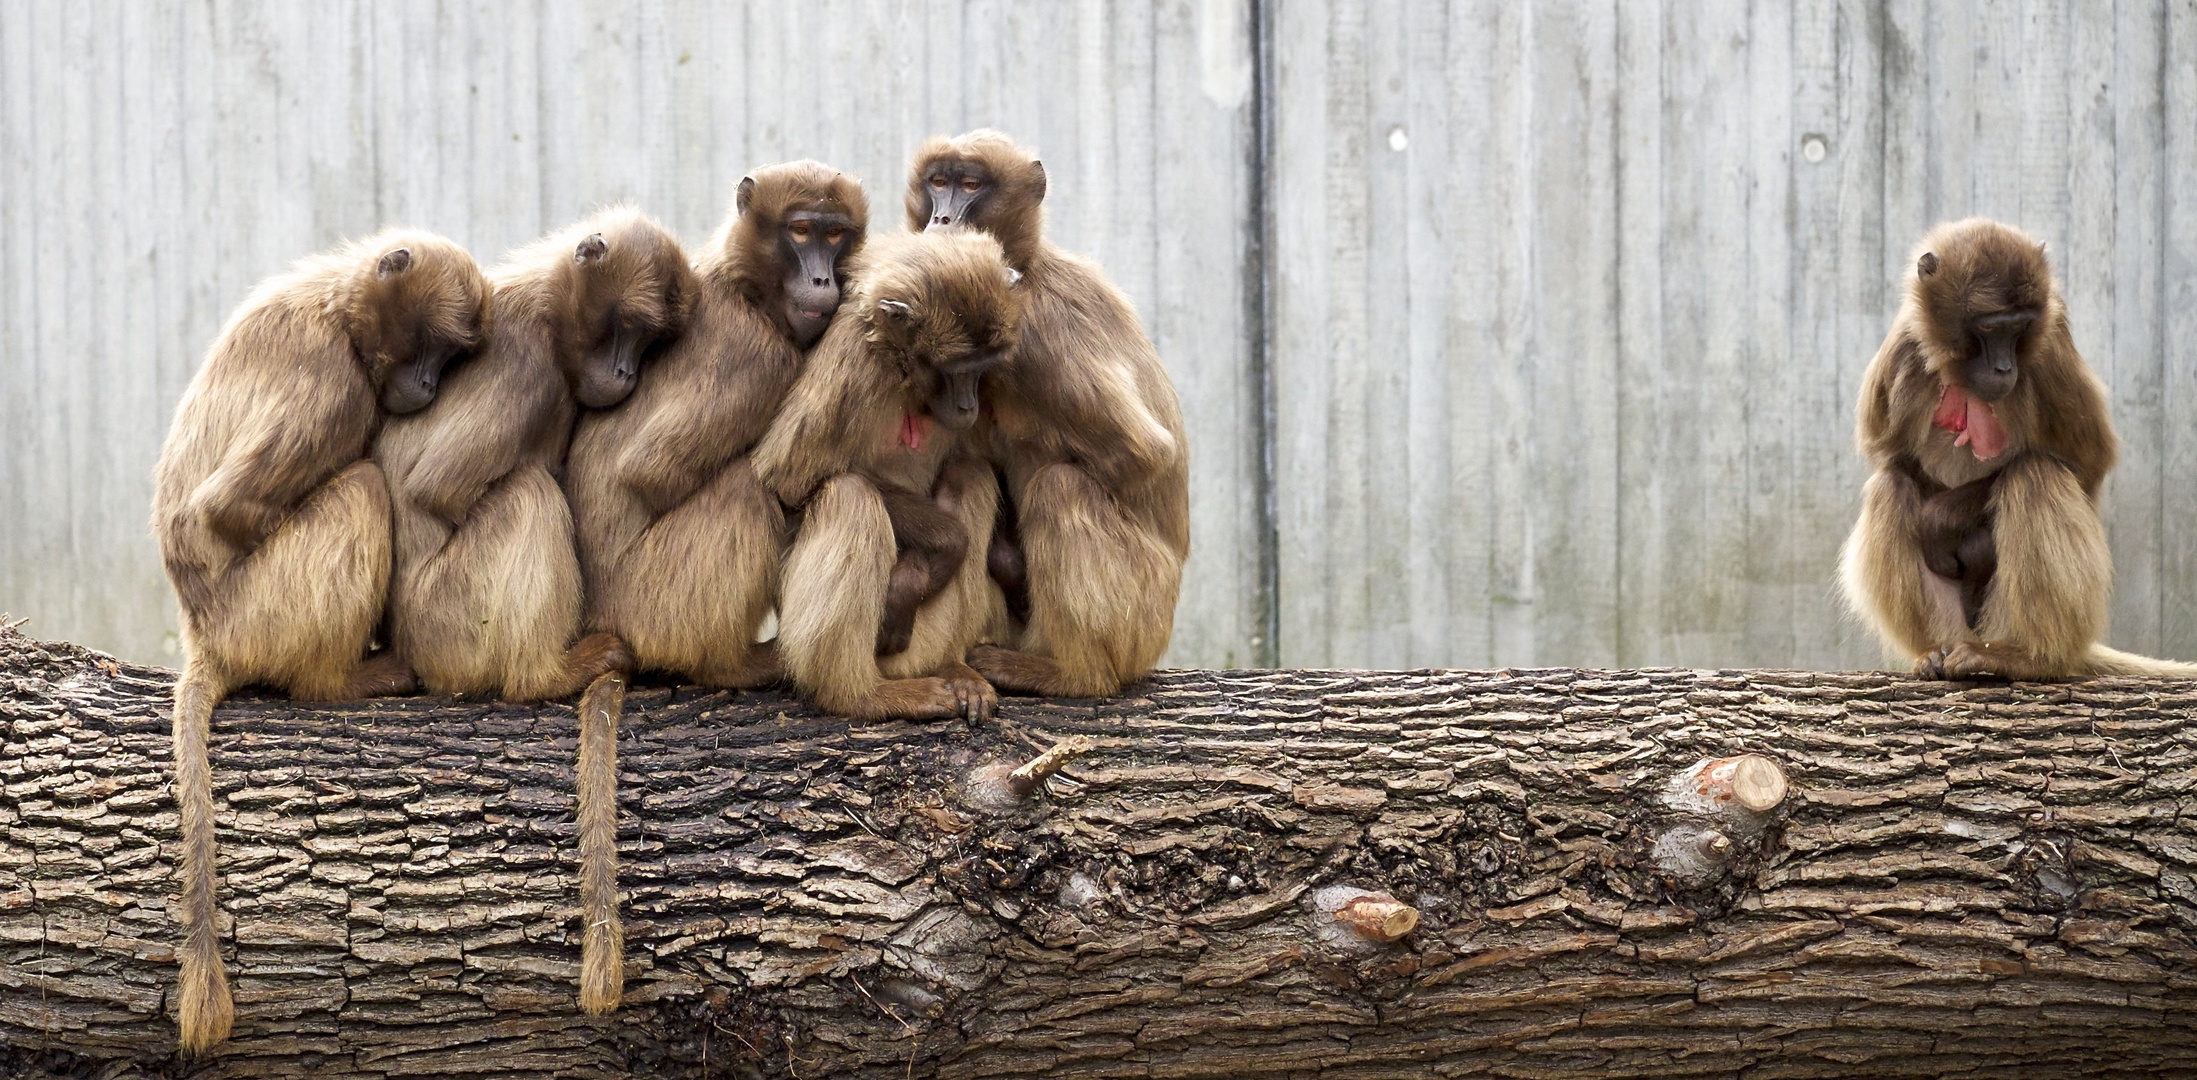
(1961, 660)
(973, 695)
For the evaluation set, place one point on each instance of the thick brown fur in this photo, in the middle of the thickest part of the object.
(919, 302)
(1089, 436)
(486, 597)
(1971, 567)
(274, 529)
(679, 545)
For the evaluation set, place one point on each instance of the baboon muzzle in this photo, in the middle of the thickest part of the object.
(949, 208)
(1996, 366)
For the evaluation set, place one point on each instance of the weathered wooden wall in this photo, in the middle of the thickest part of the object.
(1564, 318)
(1570, 323)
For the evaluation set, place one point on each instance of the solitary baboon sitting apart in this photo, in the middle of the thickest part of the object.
(1087, 431)
(875, 420)
(275, 529)
(679, 545)
(1979, 550)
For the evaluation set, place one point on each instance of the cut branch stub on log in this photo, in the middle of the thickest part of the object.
(1961, 879)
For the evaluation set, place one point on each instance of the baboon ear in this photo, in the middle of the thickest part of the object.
(591, 249)
(394, 262)
(1014, 277)
(896, 310)
(746, 195)
(1037, 181)
(1928, 264)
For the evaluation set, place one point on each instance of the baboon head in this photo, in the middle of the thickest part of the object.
(796, 224)
(415, 302)
(981, 180)
(631, 288)
(945, 306)
(1983, 289)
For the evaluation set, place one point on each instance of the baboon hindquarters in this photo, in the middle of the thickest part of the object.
(299, 612)
(1102, 585)
(493, 608)
(691, 592)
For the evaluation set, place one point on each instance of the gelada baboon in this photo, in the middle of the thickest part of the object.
(1979, 550)
(1085, 428)
(485, 597)
(273, 525)
(875, 421)
(679, 545)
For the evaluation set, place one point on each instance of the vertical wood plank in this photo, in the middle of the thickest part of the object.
(2177, 343)
(1489, 595)
(1571, 58)
(1302, 279)
(2125, 285)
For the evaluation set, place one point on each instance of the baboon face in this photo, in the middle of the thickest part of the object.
(957, 188)
(811, 243)
(636, 290)
(421, 305)
(810, 238)
(948, 371)
(981, 180)
(1985, 294)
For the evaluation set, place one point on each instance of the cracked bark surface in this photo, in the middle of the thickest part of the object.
(1964, 879)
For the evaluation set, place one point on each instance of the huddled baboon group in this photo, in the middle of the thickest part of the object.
(948, 460)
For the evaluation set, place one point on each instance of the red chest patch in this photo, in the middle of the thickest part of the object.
(1977, 426)
(911, 431)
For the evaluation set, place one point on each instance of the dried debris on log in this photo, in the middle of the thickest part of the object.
(1208, 877)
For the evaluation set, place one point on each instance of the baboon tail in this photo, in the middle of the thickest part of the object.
(204, 1011)
(2105, 661)
(603, 937)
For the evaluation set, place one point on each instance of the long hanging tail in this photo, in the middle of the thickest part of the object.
(204, 1010)
(603, 941)
(2105, 661)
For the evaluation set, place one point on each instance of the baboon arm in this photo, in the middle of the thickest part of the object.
(807, 441)
(1117, 435)
(667, 459)
(480, 444)
(2077, 429)
(273, 466)
(1873, 412)
(753, 378)
(2054, 571)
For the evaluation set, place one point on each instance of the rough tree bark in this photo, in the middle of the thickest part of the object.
(1962, 880)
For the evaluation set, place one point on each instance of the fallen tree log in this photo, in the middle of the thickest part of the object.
(1364, 874)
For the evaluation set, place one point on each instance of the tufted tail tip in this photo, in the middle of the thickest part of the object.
(602, 966)
(203, 1009)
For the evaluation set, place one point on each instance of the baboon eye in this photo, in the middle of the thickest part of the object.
(799, 229)
(834, 234)
(970, 185)
(938, 180)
